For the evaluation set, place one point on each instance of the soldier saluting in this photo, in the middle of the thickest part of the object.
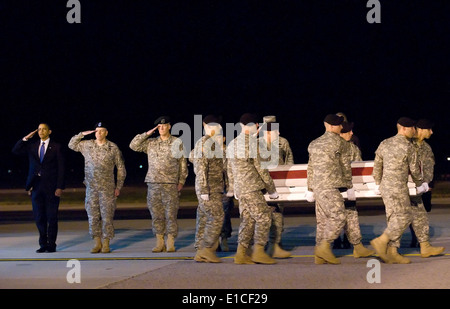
(101, 156)
(166, 175)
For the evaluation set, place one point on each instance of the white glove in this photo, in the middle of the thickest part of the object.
(230, 194)
(274, 195)
(422, 188)
(205, 197)
(351, 195)
(377, 190)
(310, 196)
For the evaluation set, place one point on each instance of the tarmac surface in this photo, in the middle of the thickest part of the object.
(132, 265)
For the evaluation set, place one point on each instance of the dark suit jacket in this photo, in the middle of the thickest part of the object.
(51, 170)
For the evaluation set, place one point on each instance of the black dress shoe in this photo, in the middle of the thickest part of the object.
(41, 250)
(51, 249)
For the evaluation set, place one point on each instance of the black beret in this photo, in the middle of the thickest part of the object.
(424, 124)
(248, 118)
(347, 127)
(162, 120)
(212, 119)
(406, 122)
(100, 124)
(334, 119)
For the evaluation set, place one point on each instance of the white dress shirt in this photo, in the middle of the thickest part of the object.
(46, 146)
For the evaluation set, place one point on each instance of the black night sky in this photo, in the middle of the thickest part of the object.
(129, 62)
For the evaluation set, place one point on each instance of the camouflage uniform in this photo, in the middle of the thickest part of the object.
(329, 172)
(352, 228)
(420, 221)
(100, 161)
(395, 159)
(355, 152)
(249, 180)
(285, 157)
(209, 179)
(165, 172)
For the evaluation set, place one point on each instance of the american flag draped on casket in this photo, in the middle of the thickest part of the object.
(290, 181)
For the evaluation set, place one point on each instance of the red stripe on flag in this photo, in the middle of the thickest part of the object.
(288, 174)
(356, 171)
(362, 171)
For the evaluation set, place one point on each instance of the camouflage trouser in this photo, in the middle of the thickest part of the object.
(255, 219)
(420, 223)
(351, 228)
(100, 206)
(277, 226)
(398, 214)
(209, 221)
(330, 214)
(163, 203)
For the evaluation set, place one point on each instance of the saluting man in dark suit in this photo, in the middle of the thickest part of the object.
(45, 181)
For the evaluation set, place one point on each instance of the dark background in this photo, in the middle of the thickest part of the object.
(129, 62)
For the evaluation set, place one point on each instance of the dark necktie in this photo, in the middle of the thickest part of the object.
(42, 152)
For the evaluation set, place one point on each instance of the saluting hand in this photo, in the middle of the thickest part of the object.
(150, 132)
(88, 132)
(30, 135)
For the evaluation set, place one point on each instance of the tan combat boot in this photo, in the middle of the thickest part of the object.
(160, 246)
(105, 246)
(395, 257)
(318, 260)
(360, 251)
(170, 244)
(259, 256)
(241, 257)
(97, 245)
(198, 257)
(208, 255)
(426, 250)
(279, 253)
(324, 252)
(380, 246)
